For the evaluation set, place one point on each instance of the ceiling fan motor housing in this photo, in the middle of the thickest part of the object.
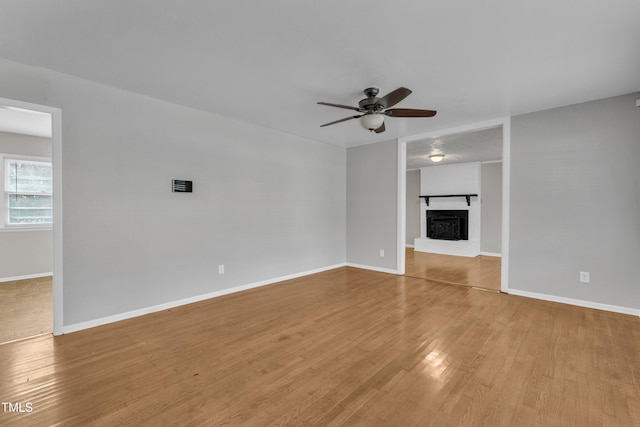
(371, 104)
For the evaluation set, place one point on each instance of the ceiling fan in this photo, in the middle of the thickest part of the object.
(374, 109)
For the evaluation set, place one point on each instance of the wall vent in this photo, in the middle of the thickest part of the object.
(181, 186)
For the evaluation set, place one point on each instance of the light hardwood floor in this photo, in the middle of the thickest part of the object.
(25, 308)
(342, 347)
(481, 271)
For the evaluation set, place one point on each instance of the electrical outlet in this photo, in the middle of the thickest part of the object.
(381, 252)
(584, 277)
(221, 269)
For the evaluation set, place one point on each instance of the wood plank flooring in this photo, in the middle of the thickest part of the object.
(342, 347)
(481, 271)
(25, 308)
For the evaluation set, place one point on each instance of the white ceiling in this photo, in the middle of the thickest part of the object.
(269, 62)
(475, 146)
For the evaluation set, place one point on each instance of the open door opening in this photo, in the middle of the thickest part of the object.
(471, 178)
(29, 287)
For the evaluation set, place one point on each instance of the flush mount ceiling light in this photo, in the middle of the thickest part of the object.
(372, 121)
(436, 157)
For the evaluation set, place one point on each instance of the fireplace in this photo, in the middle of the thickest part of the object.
(448, 224)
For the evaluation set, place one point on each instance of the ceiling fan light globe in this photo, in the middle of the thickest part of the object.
(372, 121)
(436, 157)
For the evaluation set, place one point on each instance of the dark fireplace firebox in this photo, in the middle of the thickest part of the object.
(448, 225)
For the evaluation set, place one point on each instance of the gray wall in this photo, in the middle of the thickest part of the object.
(265, 204)
(575, 201)
(413, 206)
(371, 204)
(268, 204)
(25, 253)
(491, 208)
(26, 145)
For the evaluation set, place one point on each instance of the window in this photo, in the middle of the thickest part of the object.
(28, 192)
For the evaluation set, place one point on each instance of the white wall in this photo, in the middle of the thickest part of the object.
(265, 204)
(25, 253)
(463, 178)
(575, 202)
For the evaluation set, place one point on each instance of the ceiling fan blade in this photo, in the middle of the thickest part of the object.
(328, 104)
(380, 129)
(392, 98)
(341, 120)
(409, 112)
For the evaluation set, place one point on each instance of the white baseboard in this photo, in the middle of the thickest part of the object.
(25, 277)
(372, 268)
(577, 302)
(410, 246)
(160, 307)
(496, 254)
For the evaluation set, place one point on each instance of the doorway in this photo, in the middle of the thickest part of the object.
(484, 146)
(30, 228)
